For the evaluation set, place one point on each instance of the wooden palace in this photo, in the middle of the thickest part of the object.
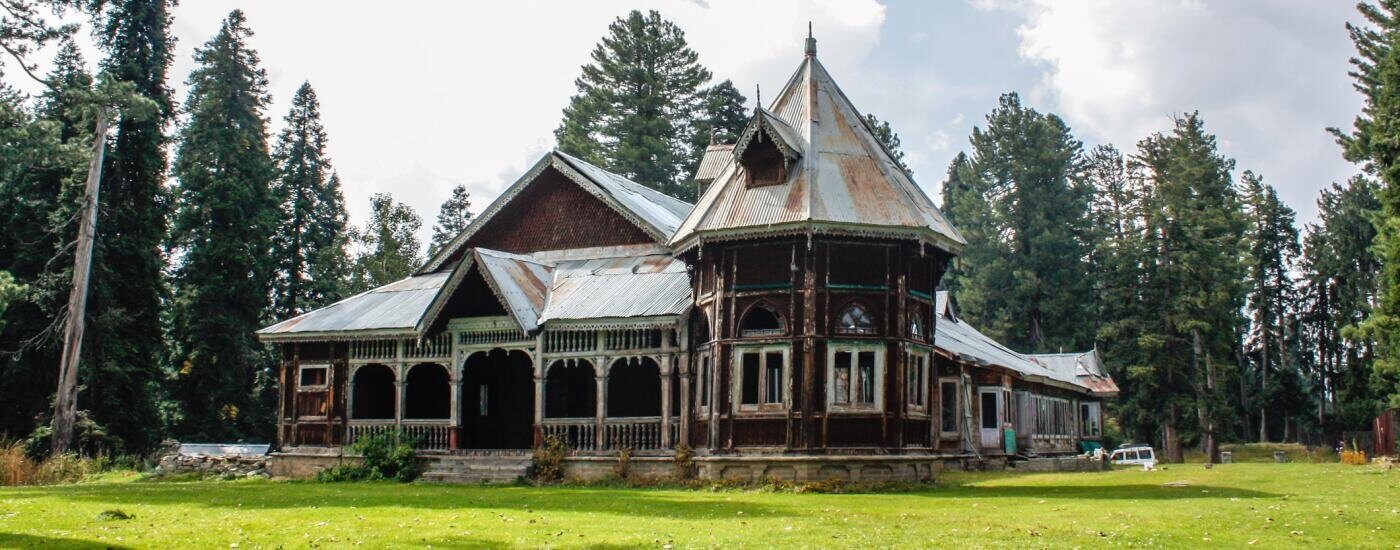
(787, 325)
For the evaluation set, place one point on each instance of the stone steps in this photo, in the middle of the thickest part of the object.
(476, 469)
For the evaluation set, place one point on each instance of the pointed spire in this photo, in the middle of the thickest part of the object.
(811, 42)
(757, 97)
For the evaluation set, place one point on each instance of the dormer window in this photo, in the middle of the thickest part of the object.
(767, 150)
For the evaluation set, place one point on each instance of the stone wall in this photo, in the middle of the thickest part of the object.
(304, 463)
(1061, 464)
(221, 466)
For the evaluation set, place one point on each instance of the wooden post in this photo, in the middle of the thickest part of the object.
(664, 368)
(601, 400)
(66, 401)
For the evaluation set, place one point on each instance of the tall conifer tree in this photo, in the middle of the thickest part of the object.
(1272, 238)
(225, 215)
(309, 243)
(889, 138)
(121, 373)
(453, 217)
(388, 244)
(636, 103)
(1025, 218)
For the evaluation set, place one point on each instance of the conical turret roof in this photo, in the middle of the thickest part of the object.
(841, 178)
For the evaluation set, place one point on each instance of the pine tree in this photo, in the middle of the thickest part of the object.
(225, 216)
(1339, 285)
(636, 104)
(722, 118)
(962, 202)
(1374, 142)
(388, 244)
(890, 139)
(453, 217)
(43, 162)
(121, 373)
(308, 243)
(1021, 277)
(1194, 226)
(1272, 238)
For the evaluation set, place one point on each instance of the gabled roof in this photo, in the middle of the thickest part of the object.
(518, 282)
(956, 339)
(391, 309)
(716, 156)
(617, 288)
(766, 125)
(655, 213)
(845, 180)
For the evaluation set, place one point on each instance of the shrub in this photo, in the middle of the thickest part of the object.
(387, 455)
(684, 462)
(17, 468)
(547, 460)
(623, 467)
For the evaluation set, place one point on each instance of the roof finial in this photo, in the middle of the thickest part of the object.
(811, 42)
(757, 97)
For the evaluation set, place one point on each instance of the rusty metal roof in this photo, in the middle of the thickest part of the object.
(395, 307)
(845, 180)
(614, 288)
(654, 212)
(716, 156)
(1081, 371)
(520, 282)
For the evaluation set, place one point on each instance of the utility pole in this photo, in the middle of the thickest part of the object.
(66, 401)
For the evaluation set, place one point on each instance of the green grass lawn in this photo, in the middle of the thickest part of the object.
(1271, 505)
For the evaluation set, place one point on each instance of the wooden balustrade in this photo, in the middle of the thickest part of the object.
(636, 433)
(434, 435)
(579, 434)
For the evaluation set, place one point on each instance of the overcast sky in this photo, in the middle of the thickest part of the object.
(421, 96)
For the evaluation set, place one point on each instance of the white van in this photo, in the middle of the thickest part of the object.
(1134, 454)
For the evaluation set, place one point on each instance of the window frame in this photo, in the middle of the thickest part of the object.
(855, 348)
(704, 380)
(838, 328)
(301, 373)
(920, 409)
(1095, 413)
(782, 329)
(957, 398)
(737, 380)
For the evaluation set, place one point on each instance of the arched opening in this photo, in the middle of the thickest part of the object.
(699, 327)
(428, 392)
(570, 390)
(372, 393)
(761, 320)
(498, 400)
(855, 319)
(634, 388)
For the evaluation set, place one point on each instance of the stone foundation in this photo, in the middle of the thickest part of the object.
(1060, 464)
(305, 462)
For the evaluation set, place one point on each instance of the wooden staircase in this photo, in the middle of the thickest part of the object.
(487, 466)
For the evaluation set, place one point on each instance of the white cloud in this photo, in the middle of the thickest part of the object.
(1268, 77)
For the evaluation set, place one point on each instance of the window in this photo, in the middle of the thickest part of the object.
(313, 377)
(854, 376)
(855, 320)
(916, 381)
(1052, 415)
(1091, 420)
(703, 384)
(762, 378)
(761, 320)
(916, 326)
(1145, 454)
(948, 406)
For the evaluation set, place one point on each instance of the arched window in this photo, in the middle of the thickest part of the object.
(855, 319)
(761, 320)
(916, 326)
(699, 327)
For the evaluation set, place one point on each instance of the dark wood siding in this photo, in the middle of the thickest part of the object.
(554, 213)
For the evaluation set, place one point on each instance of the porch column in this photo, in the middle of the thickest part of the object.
(600, 375)
(454, 432)
(539, 409)
(400, 393)
(665, 367)
(685, 397)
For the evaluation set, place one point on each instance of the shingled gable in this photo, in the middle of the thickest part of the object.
(652, 213)
(844, 181)
(519, 283)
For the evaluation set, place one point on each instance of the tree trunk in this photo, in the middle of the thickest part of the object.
(66, 400)
(1172, 439)
(1263, 385)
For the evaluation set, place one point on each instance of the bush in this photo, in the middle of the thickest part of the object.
(547, 460)
(684, 462)
(17, 468)
(623, 467)
(386, 455)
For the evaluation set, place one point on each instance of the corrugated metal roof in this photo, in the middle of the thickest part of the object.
(394, 306)
(957, 338)
(845, 177)
(520, 281)
(656, 213)
(716, 156)
(645, 286)
(656, 208)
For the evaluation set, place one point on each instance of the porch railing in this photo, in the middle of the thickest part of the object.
(432, 435)
(641, 433)
(580, 434)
